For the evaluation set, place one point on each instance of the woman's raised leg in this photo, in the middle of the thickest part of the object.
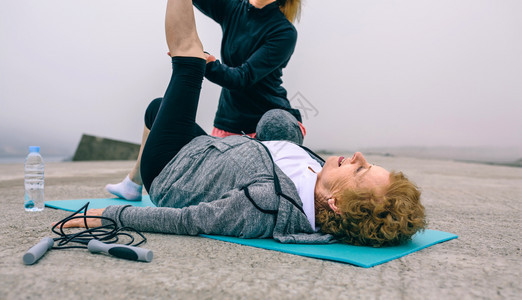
(184, 45)
(180, 30)
(175, 124)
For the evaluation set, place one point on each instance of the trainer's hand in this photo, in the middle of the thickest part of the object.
(80, 222)
(209, 57)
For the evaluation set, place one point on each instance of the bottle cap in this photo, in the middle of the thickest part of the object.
(34, 149)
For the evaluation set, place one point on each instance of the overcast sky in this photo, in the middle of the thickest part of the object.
(367, 73)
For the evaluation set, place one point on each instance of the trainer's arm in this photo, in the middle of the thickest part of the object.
(275, 52)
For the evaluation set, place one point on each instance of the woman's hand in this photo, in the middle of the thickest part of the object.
(80, 222)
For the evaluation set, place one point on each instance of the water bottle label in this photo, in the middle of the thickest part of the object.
(28, 203)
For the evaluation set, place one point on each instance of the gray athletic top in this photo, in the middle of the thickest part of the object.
(224, 186)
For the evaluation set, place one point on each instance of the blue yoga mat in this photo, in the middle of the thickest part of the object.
(74, 205)
(356, 255)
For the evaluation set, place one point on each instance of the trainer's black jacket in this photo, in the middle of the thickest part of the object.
(257, 44)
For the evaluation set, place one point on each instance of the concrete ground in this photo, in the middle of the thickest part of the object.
(480, 203)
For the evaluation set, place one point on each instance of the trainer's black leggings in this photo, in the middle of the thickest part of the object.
(172, 121)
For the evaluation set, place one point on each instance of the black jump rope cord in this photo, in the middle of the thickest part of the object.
(106, 233)
(96, 239)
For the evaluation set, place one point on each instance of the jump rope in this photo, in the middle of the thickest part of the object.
(101, 239)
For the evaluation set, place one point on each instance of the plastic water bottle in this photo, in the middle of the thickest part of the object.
(34, 180)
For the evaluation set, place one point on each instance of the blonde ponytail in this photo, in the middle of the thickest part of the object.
(291, 9)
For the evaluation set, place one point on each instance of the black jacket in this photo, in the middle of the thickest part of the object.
(257, 44)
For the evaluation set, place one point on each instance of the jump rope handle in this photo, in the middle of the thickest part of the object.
(121, 251)
(37, 251)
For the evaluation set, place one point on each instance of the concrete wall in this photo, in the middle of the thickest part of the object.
(98, 148)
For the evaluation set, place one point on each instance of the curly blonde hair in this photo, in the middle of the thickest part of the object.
(369, 220)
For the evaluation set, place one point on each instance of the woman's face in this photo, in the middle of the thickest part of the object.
(355, 172)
